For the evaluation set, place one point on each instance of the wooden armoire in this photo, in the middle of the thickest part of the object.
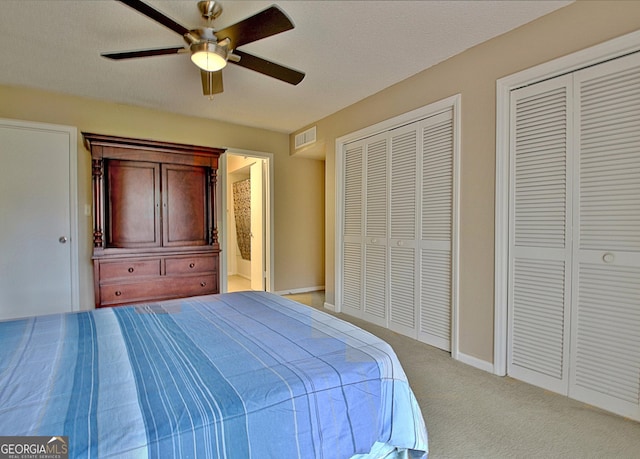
(155, 234)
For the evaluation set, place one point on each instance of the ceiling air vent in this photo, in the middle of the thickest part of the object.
(305, 138)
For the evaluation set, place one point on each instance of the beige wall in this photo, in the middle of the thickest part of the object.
(299, 183)
(473, 74)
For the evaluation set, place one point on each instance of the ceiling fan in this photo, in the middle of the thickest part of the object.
(211, 49)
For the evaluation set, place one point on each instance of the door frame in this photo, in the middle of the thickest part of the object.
(617, 47)
(268, 213)
(72, 135)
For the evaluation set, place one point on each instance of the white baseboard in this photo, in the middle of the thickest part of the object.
(330, 307)
(475, 362)
(294, 291)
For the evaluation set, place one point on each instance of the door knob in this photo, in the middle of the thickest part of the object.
(62, 239)
(608, 257)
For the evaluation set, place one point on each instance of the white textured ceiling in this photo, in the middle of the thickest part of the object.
(348, 50)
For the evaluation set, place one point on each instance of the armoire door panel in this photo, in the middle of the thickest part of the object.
(184, 221)
(133, 213)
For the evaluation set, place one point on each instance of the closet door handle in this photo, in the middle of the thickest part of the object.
(608, 257)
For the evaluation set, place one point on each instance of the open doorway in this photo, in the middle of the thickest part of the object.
(246, 222)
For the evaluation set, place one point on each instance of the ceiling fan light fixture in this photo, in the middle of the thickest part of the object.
(209, 56)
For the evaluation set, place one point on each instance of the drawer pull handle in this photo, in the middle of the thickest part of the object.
(130, 270)
(192, 265)
(118, 293)
(203, 284)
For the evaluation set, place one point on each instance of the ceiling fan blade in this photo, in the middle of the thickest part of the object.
(286, 74)
(156, 15)
(143, 53)
(264, 24)
(211, 82)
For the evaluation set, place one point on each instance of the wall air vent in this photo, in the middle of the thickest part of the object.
(306, 137)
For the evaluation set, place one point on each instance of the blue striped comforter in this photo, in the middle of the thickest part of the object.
(240, 375)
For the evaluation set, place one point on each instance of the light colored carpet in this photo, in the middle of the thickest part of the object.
(473, 414)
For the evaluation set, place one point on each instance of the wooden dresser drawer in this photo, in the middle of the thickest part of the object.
(129, 269)
(162, 288)
(189, 265)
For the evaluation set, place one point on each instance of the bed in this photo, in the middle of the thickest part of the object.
(238, 375)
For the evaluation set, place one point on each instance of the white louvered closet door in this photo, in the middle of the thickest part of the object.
(435, 229)
(398, 229)
(605, 362)
(403, 212)
(375, 241)
(539, 246)
(353, 240)
(574, 280)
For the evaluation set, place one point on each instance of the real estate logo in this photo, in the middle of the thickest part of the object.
(34, 447)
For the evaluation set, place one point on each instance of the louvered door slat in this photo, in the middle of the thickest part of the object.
(611, 346)
(437, 181)
(610, 185)
(352, 275)
(402, 290)
(404, 149)
(376, 192)
(435, 298)
(353, 191)
(375, 290)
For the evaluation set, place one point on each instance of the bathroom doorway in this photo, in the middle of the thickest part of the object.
(246, 256)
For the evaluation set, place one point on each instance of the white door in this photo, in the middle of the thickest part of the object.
(605, 315)
(403, 211)
(397, 197)
(352, 244)
(374, 306)
(38, 272)
(539, 234)
(436, 230)
(574, 255)
(257, 226)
